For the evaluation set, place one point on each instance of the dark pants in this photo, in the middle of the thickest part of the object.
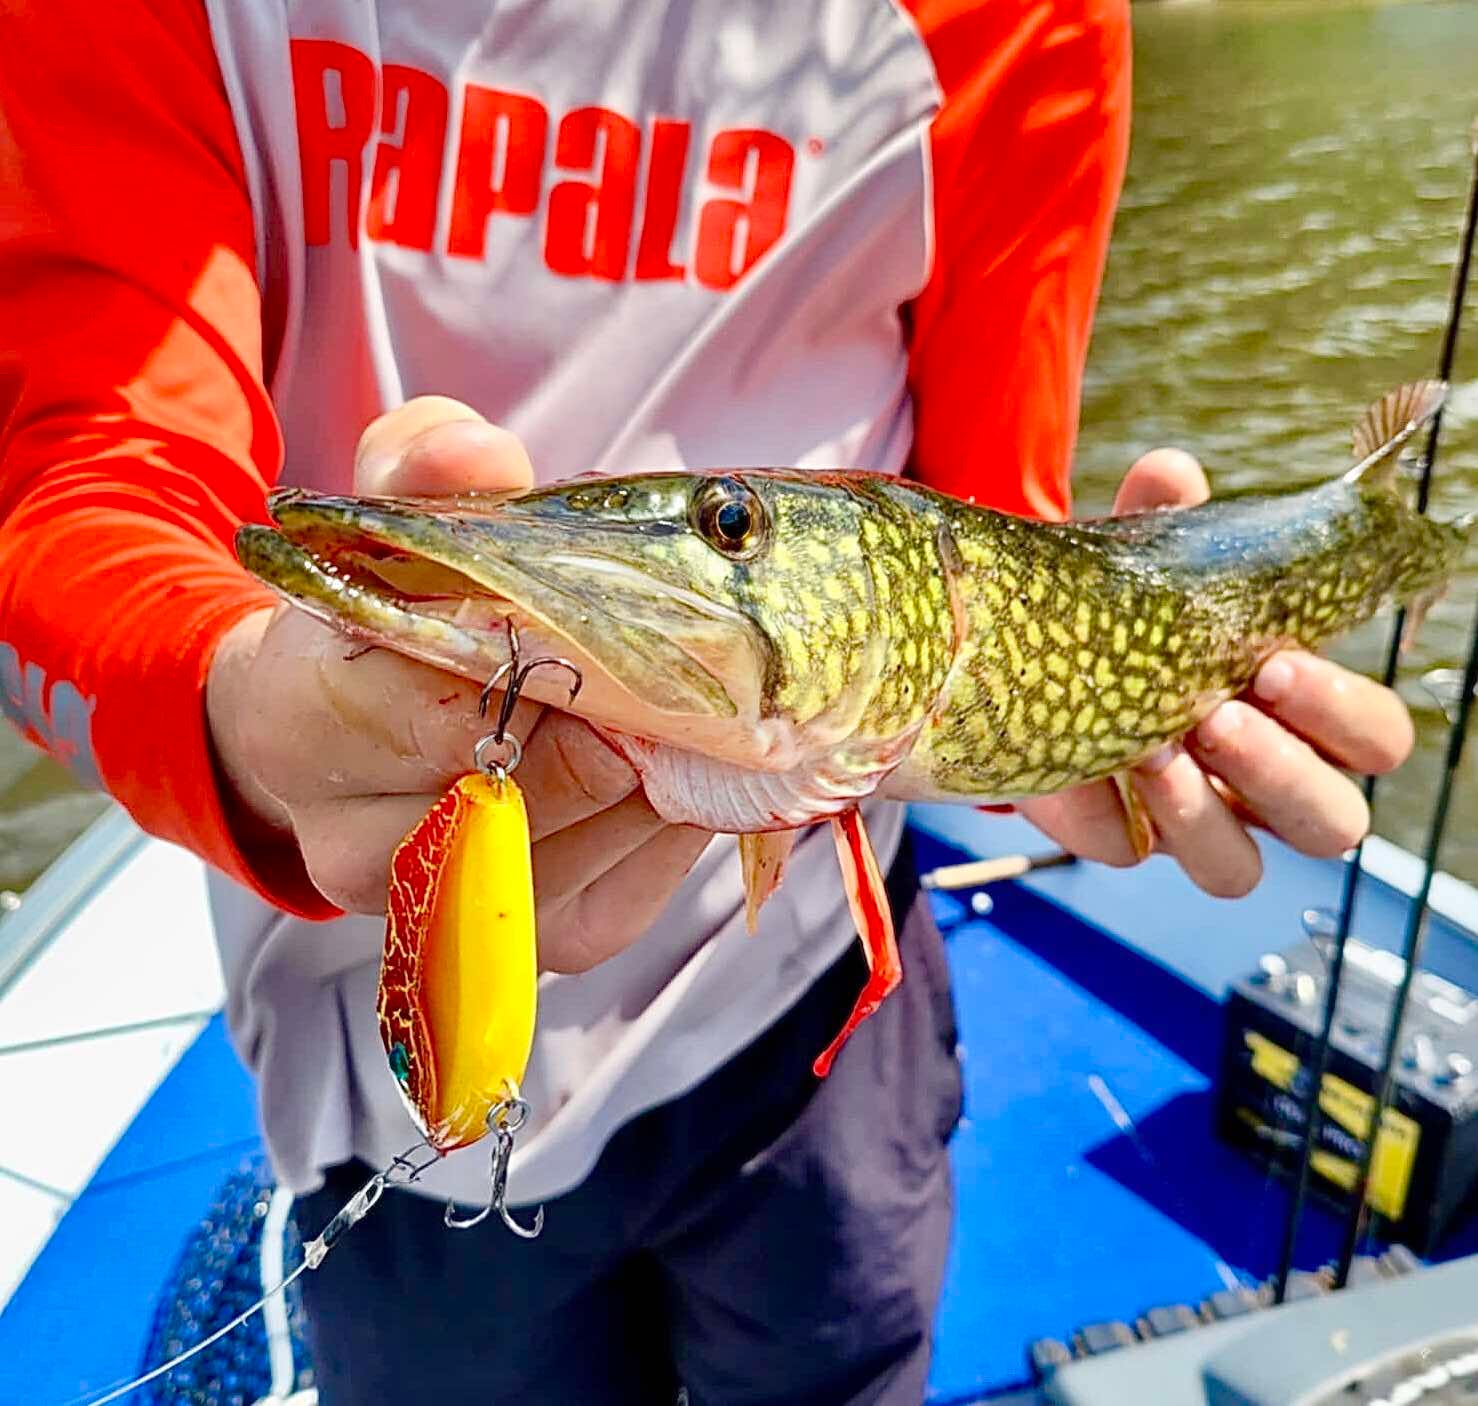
(767, 1238)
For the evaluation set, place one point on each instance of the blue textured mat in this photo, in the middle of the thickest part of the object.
(80, 1319)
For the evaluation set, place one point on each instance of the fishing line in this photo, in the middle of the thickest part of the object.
(401, 1172)
(1352, 871)
(1119, 1116)
(504, 1119)
(190, 1352)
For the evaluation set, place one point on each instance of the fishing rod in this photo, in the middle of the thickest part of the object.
(1460, 717)
(1311, 1111)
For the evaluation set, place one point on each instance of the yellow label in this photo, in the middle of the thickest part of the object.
(1273, 1062)
(1340, 1170)
(1351, 1108)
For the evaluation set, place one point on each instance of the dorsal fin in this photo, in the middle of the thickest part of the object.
(1388, 424)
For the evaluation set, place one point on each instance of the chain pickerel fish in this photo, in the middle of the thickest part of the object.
(770, 647)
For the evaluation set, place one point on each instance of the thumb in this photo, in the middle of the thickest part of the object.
(1163, 478)
(434, 445)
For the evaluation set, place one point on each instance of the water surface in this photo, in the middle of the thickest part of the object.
(1282, 256)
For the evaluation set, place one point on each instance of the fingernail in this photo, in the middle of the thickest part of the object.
(454, 456)
(1221, 726)
(458, 435)
(1156, 762)
(1274, 680)
(374, 469)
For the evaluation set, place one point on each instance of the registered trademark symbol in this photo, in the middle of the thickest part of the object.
(815, 146)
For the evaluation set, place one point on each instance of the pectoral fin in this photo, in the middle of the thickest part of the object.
(1137, 822)
(1416, 613)
(868, 897)
(763, 859)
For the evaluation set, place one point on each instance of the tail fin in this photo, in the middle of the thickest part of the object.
(1387, 425)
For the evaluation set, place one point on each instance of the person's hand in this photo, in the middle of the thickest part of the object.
(338, 751)
(1270, 758)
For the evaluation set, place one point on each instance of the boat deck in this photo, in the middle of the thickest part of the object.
(1090, 1185)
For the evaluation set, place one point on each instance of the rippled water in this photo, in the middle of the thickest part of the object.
(1282, 256)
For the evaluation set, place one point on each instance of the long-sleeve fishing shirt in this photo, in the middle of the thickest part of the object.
(646, 234)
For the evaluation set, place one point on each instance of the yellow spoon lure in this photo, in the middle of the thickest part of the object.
(459, 975)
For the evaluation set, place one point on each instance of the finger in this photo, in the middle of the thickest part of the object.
(1352, 720)
(1163, 478)
(1295, 792)
(571, 859)
(408, 726)
(387, 434)
(1234, 802)
(372, 721)
(570, 773)
(613, 912)
(1087, 821)
(1195, 826)
(436, 446)
(346, 845)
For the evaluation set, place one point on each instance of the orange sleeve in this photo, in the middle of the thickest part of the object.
(1028, 153)
(135, 429)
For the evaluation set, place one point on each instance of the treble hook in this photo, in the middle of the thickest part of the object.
(504, 1119)
(517, 676)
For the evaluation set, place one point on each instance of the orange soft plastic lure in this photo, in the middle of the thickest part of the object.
(867, 895)
(459, 976)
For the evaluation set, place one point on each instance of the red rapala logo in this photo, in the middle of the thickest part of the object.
(592, 228)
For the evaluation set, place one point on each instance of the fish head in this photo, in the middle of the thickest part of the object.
(728, 612)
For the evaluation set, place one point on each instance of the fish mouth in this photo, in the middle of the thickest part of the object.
(441, 579)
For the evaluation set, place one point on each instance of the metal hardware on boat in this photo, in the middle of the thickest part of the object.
(1455, 1069)
(1321, 925)
(1420, 1053)
(1274, 972)
(1320, 922)
(1271, 966)
(10, 901)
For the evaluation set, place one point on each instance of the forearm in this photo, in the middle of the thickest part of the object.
(114, 618)
(1028, 154)
(137, 428)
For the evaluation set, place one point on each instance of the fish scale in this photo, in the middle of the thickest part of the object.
(900, 531)
(818, 604)
(1092, 646)
(1073, 664)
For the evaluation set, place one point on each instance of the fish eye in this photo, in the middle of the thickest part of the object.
(730, 516)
